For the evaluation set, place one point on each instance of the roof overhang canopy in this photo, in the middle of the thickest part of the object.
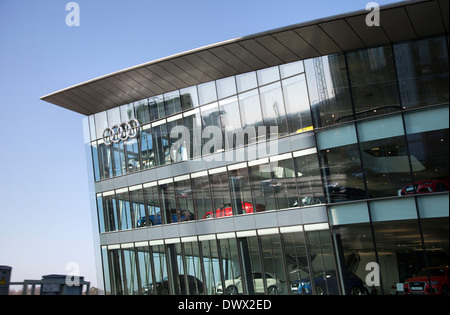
(400, 21)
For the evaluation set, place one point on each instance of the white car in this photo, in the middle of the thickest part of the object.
(234, 286)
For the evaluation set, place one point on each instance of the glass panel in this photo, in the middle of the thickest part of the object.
(160, 286)
(127, 112)
(113, 116)
(373, 80)
(189, 97)
(147, 153)
(356, 251)
(309, 181)
(118, 156)
(124, 214)
(290, 69)
(100, 215)
(116, 273)
(144, 272)
(153, 208)
(435, 234)
(92, 131)
(263, 189)
(273, 107)
(202, 199)
(400, 254)
(231, 270)
(211, 124)
(384, 156)
(253, 276)
(230, 119)
(161, 142)
(185, 202)
(429, 150)
(95, 161)
(110, 214)
(341, 165)
(220, 191)
(207, 93)
(193, 121)
(193, 269)
(250, 109)
(284, 184)
(157, 110)
(101, 123)
(297, 104)
(177, 146)
(329, 90)
(268, 75)
(272, 259)
(299, 281)
(130, 272)
(106, 271)
(240, 191)
(226, 87)
(322, 262)
(211, 265)
(246, 81)
(133, 162)
(168, 204)
(422, 70)
(142, 109)
(172, 102)
(137, 207)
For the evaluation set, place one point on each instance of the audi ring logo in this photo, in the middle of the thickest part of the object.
(121, 132)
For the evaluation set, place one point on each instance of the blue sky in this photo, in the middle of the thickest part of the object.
(45, 216)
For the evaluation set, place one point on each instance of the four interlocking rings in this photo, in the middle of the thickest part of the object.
(121, 132)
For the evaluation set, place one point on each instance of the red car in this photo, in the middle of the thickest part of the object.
(226, 210)
(419, 284)
(425, 186)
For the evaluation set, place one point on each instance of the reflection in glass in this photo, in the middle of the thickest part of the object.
(422, 70)
(272, 258)
(428, 143)
(211, 265)
(144, 271)
(226, 87)
(297, 104)
(384, 156)
(250, 109)
(161, 142)
(284, 184)
(142, 109)
(189, 97)
(324, 274)
(185, 202)
(130, 272)
(297, 263)
(202, 197)
(328, 87)
(308, 180)
(172, 102)
(153, 207)
(246, 81)
(273, 107)
(207, 93)
(230, 267)
(137, 206)
(373, 80)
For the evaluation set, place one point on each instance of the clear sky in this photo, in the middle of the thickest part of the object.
(45, 216)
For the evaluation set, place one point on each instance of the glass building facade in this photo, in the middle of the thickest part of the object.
(293, 179)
